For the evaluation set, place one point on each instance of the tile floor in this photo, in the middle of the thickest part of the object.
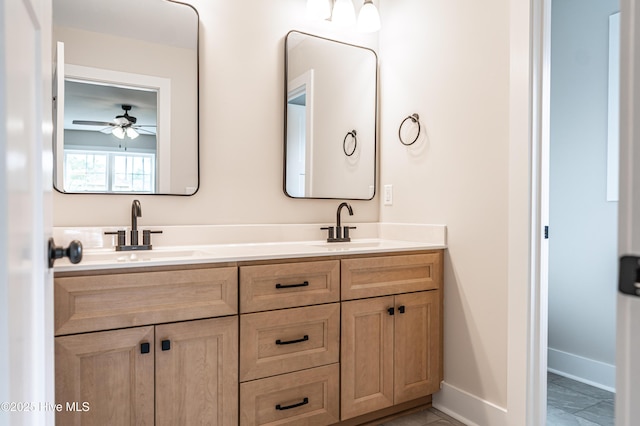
(573, 403)
(569, 403)
(431, 417)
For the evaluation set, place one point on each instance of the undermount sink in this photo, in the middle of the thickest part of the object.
(141, 255)
(348, 245)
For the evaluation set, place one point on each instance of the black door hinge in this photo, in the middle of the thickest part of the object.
(546, 232)
(629, 276)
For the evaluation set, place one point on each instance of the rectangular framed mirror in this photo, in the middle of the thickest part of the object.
(126, 97)
(330, 119)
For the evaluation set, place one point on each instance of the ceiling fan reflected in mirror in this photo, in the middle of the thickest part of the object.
(122, 125)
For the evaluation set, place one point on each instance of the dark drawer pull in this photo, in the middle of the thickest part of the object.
(401, 309)
(288, 342)
(145, 348)
(165, 345)
(304, 284)
(288, 407)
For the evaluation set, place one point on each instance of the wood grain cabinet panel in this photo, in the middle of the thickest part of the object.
(126, 299)
(109, 371)
(385, 275)
(418, 345)
(391, 351)
(304, 398)
(288, 340)
(197, 372)
(288, 285)
(366, 360)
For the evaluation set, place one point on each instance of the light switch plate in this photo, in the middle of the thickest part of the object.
(388, 195)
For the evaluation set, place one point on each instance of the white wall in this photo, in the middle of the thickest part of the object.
(241, 128)
(583, 239)
(466, 69)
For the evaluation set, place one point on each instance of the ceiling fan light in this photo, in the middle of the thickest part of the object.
(132, 133)
(118, 132)
(369, 18)
(344, 14)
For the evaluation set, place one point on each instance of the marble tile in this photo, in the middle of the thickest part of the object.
(558, 417)
(567, 399)
(601, 413)
(591, 391)
(552, 377)
(430, 417)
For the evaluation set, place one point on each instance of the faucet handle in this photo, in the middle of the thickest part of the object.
(146, 236)
(346, 232)
(121, 236)
(330, 231)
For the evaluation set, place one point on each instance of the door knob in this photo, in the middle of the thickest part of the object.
(73, 252)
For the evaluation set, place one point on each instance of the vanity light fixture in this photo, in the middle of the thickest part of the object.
(369, 18)
(343, 13)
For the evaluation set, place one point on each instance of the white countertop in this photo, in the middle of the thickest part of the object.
(104, 258)
(197, 244)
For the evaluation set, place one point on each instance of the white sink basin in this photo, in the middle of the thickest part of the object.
(141, 255)
(348, 245)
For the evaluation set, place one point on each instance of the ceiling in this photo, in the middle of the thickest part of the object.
(97, 102)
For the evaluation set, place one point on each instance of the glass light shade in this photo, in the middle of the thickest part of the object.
(132, 133)
(118, 132)
(318, 9)
(369, 18)
(344, 14)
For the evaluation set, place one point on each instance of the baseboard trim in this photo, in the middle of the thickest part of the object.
(463, 406)
(581, 369)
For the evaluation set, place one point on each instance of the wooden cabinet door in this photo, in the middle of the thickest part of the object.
(109, 371)
(417, 357)
(366, 361)
(197, 372)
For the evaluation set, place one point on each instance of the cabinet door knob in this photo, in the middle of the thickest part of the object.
(145, 348)
(401, 309)
(391, 311)
(288, 407)
(166, 345)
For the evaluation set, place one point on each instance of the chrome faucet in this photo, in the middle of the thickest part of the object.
(136, 212)
(341, 233)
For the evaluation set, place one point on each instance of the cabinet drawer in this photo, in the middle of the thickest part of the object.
(287, 285)
(308, 397)
(101, 302)
(288, 340)
(380, 276)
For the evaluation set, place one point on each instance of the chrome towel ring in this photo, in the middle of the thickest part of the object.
(414, 118)
(355, 143)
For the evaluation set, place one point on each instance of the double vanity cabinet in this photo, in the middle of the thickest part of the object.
(338, 339)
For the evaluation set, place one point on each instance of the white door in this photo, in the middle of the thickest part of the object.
(26, 291)
(628, 337)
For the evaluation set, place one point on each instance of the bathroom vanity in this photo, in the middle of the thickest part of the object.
(329, 336)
